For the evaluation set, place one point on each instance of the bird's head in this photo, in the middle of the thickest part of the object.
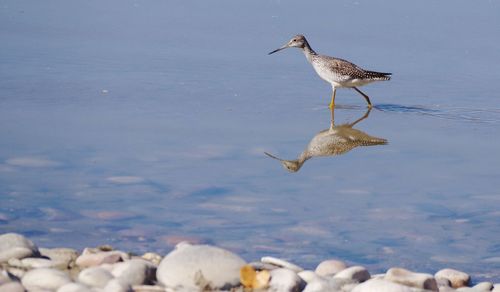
(298, 41)
(290, 165)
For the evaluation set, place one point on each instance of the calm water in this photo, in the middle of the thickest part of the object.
(140, 123)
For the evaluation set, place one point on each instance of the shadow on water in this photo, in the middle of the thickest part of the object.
(335, 140)
(477, 115)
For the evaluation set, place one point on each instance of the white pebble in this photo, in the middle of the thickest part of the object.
(13, 245)
(357, 273)
(281, 263)
(95, 277)
(74, 287)
(285, 280)
(195, 266)
(330, 267)
(457, 278)
(48, 279)
(412, 279)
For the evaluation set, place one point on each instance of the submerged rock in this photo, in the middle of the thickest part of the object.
(200, 266)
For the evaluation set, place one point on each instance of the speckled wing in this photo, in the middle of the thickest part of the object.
(347, 70)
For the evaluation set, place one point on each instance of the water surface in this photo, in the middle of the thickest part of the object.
(142, 123)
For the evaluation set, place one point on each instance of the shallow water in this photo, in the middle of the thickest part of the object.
(141, 123)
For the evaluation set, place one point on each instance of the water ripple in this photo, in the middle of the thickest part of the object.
(478, 115)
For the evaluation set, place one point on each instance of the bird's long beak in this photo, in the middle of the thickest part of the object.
(277, 50)
(272, 156)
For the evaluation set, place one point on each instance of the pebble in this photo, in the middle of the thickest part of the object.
(152, 257)
(95, 277)
(65, 255)
(484, 286)
(481, 287)
(330, 267)
(16, 272)
(12, 287)
(36, 263)
(310, 276)
(116, 285)
(74, 287)
(442, 282)
(49, 279)
(381, 285)
(262, 266)
(318, 286)
(281, 263)
(135, 272)
(90, 258)
(357, 273)
(147, 288)
(250, 278)
(198, 266)
(457, 278)
(13, 245)
(409, 278)
(4, 276)
(285, 280)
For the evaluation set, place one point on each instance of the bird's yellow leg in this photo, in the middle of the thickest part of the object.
(332, 102)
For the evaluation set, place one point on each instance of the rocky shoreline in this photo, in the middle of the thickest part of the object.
(26, 267)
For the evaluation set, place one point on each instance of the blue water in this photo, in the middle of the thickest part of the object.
(141, 123)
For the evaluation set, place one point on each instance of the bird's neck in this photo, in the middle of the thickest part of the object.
(303, 157)
(308, 51)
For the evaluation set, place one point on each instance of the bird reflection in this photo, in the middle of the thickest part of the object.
(335, 140)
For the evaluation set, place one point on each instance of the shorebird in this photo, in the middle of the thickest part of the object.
(335, 140)
(338, 72)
